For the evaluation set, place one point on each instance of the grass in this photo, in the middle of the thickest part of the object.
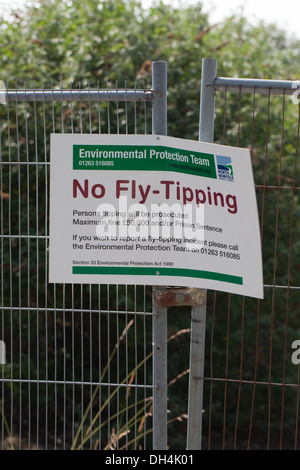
(143, 408)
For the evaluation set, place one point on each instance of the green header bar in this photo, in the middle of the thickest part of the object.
(143, 158)
(94, 270)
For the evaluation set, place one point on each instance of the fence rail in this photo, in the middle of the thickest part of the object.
(260, 86)
(54, 95)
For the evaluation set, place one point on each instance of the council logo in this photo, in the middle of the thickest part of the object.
(225, 171)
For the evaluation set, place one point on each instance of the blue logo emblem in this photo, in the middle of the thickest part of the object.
(225, 171)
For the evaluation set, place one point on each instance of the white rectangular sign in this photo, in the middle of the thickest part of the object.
(153, 210)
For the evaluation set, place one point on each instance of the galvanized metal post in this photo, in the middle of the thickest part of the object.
(198, 314)
(207, 100)
(159, 127)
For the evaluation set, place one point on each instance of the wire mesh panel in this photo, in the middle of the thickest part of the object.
(78, 370)
(252, 375)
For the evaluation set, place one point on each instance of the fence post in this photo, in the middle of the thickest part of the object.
(159, 127)
(198, 314)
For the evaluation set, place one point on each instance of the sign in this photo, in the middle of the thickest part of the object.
(153, 210)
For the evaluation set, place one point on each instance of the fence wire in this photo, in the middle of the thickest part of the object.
(78, 370)
(251, 384)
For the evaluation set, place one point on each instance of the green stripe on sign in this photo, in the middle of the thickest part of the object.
(143, 158)
(158, 272)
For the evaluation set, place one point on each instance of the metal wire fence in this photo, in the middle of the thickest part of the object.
(251, 376)
(79, 357)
